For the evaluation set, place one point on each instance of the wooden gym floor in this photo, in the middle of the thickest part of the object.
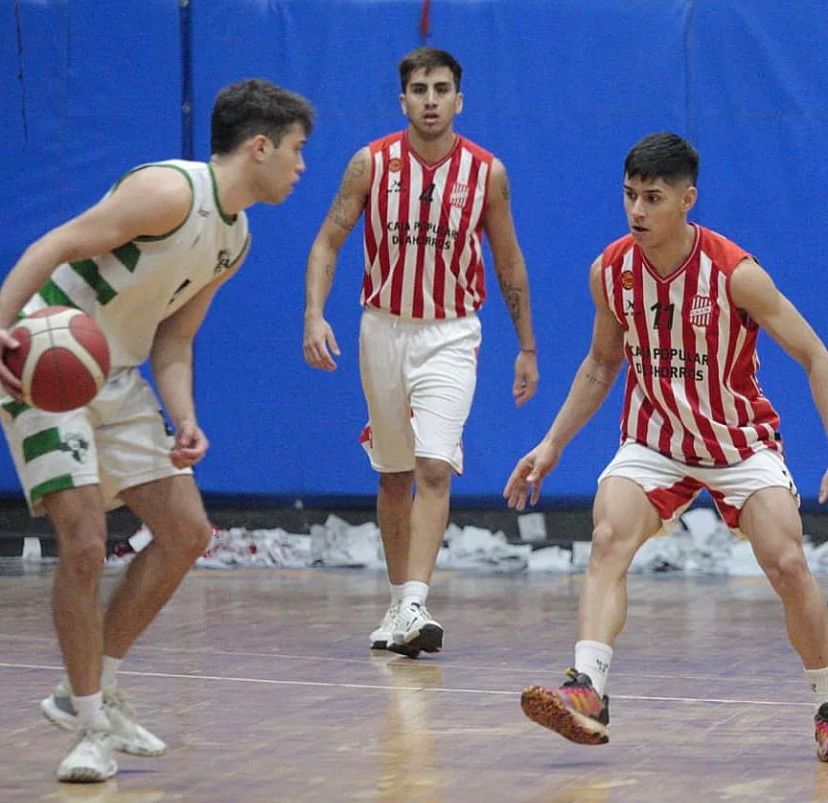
(263, 686)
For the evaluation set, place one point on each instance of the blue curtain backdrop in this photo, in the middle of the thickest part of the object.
(559, 91)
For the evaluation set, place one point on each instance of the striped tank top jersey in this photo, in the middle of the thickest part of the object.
(132, 289)
(691, 390)
(423, 230)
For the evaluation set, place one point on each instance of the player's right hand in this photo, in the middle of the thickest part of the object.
(527, 477)
(318, 343)
(11, 384)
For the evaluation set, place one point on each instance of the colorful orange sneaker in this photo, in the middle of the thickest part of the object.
(821, 735)
(575, 710)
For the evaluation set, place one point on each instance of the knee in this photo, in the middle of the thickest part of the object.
(787, 570)
(83, 557)
(188, 540)
(610, 547)
(434, 476)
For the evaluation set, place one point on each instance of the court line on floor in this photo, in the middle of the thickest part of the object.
(385, 687)
(445, 663)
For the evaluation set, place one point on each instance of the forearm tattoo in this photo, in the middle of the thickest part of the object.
(512, 295)
(504, 188)
(340, 208)
(330, 271)
(594, 380)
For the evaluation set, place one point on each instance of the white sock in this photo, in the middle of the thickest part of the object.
(594, 658)
(396, 593)
(91, 711)
(818, 678)
(414, 591)
(109, 668)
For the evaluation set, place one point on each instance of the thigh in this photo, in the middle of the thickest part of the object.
(167, 506)
(770, 521)
(388, 438)
(623, 511)
(52, 452)
(665, 483)
(734, 487)
(442, 376)
(133, 439)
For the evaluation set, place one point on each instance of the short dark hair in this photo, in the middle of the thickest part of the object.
(664, 155)
(429, 58)
(256, 106)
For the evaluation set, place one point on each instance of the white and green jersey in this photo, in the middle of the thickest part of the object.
(132, 289)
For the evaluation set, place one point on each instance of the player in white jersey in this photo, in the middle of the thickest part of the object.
(145, 262)
(694, 419)
(428, 197)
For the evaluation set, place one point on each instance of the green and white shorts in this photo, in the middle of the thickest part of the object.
(118, 441)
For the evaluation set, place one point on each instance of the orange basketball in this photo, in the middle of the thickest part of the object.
(63, 359)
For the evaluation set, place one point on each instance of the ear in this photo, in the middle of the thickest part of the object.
(458, 103)
(688, 200)
(402, 105)
(260, 146)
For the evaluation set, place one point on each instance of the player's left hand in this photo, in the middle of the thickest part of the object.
(823, 489)
(191, 445)
(526, 377)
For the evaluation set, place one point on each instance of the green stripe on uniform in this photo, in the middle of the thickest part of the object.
(14, 408)
(128, 255)
(88, 271)
(61, 483)
(43, 442)
(54, 296)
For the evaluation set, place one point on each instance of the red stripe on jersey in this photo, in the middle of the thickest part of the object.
(422, 261)
(691, 387)
(668, 501)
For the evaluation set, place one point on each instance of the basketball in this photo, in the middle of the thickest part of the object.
(62, 361)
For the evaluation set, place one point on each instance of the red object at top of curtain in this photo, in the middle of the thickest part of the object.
(425, 20)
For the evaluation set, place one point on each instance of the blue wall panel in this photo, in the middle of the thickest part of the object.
(559, 91)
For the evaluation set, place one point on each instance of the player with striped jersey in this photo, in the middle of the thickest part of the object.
(427, 196)
(145, 263)
(682, 306)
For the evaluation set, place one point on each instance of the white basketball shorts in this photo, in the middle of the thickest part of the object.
(671, 486)
(419, 379)
(119, 440)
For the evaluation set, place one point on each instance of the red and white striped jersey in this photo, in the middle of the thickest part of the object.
(691, 390)
(423, 230)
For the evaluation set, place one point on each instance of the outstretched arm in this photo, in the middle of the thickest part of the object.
(510, 269)
(589, 388)
(341, 219)
(753, 290)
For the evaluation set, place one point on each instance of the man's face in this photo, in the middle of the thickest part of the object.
(656, 211)
(430, 101)
(283, 165)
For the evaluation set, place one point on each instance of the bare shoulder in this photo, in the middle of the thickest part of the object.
(748, 281)
(162, 184)
(499, 180)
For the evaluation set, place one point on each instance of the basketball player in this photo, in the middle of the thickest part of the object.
(145, 263)
(428, 195)
(684, 306)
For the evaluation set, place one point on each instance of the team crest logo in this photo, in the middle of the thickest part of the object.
(458, 195)
(627, 280)
(395, 165)
(76, 445)
(223, 262)
(700, 311)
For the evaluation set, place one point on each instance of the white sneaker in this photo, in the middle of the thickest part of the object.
(414, 630)
(127, 735)
(380, 637)
(90, 760)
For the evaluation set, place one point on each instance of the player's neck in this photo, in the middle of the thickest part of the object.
(429, 150)
(233, 194)
(672, 254)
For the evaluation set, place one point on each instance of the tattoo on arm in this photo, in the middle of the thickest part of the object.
(340, 207)
(594, 380)
(330, 270)
(512, 295)
(505, 193)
